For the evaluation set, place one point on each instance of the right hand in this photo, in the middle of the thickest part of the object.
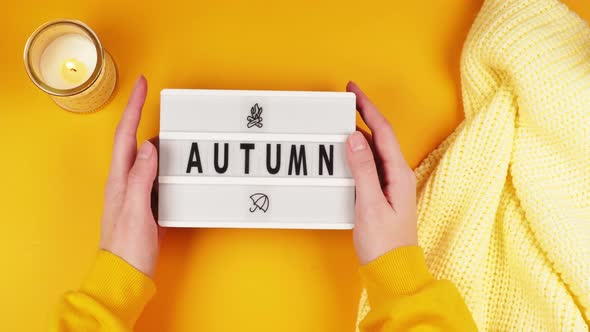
(129, 229)
(385, 210)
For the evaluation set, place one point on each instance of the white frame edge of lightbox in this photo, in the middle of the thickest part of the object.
(256, 224)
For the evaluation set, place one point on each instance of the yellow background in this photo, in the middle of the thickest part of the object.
(405, 54)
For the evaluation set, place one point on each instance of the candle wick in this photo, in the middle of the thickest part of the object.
(71, 66)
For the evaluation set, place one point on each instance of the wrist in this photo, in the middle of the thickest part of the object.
(118, 286)
(401, 271)
(141, 259)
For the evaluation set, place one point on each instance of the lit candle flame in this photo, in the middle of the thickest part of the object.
(71, 66)
(73, 71)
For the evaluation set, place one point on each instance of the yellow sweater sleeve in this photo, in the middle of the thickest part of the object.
(111, 298)
(405, 297)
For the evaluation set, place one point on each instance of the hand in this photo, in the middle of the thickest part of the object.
(385, 211)
(128, 226)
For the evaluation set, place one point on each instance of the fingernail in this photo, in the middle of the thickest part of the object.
(357, 142)
(145, 151)
(139, 79)
(350, 85)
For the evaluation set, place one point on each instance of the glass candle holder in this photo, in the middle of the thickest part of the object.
(66, 59)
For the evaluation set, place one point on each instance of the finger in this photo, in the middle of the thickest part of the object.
(156, 143)
(362, 165)
(367, 135)
(369, 139)
(141, 178)
(384, 138)
(125, 144)
(161, 234)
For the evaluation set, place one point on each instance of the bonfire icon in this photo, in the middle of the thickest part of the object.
(259, 201)
(255, 119)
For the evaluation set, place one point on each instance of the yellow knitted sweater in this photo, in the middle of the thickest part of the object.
(504, 202)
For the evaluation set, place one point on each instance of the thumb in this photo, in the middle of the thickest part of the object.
(362, 165)
(141, 177)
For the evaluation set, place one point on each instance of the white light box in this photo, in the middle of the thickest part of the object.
(255, 159)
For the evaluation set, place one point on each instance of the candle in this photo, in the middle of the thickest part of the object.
(66, 59)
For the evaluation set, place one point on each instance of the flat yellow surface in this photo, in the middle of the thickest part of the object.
(405, 54)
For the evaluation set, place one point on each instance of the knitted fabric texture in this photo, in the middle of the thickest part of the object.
(504, 202)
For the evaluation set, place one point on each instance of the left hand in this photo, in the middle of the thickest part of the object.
(129, 229)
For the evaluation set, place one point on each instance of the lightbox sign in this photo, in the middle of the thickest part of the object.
(256, 159)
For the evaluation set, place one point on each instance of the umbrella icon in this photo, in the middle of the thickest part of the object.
(259, 201)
